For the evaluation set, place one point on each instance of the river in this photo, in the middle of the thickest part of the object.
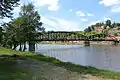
(102, 57)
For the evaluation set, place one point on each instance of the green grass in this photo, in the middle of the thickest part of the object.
(69, 66)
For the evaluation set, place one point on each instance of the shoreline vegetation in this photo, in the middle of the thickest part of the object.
(78, 42)
(83, 70)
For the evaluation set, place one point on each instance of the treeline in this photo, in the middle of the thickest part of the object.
(21, 30)
(107, 24)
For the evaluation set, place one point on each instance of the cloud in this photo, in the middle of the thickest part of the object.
(57, 24)
(113, 4)
(93, 22)
(106, 18)
(109, 2)
(80, 13)
(53, 5)
(115, 9)
(48, 21)
(84, 19)
(90, 14)
(103, 19)
(70, 10)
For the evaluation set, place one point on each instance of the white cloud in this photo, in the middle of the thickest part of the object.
(109, 2)
(93, 22)
(103, 19)
(48, 21)
(113, 4)
(52, 5)
(57, 24)
(80, 13)
(90, 14)
(84, 19)
(70, 10)
(106, 18)
(115, 9)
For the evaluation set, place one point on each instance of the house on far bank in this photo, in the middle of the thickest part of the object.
(113, 37)
(99, 29)
(115, 27)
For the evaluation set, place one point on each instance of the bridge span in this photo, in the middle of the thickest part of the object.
(72, 36)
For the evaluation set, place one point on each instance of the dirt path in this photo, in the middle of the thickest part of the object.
(38, 70)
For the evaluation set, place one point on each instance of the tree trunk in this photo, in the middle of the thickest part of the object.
(24, 46)
(32, 46)
(20, 47)
(15, 45)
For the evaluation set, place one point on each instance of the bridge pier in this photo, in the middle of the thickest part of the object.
(87, 43)
(116, 42)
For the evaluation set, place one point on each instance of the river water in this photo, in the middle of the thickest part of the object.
(102, 57)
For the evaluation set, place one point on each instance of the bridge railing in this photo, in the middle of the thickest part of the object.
(68, 36)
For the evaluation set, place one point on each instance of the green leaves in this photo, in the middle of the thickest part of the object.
(6, 6)
(24, 28)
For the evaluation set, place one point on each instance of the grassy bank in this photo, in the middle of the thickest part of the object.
(69, 66)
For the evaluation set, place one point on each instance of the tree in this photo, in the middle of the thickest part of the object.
(108, 23)
(6, 6)
(32, 24)
(19, 26)
(23, 29)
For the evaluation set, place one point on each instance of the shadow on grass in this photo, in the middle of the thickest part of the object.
(68, 65)
(9, 70)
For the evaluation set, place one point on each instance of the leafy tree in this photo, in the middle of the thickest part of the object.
(6, 6)
(32, 23)
(108, 23)
(23, 29)
(89, 29)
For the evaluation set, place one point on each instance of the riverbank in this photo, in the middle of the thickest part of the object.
(78, 42)
(32, 61)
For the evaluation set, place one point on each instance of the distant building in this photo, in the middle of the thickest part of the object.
(113, 37)
(99, 29)
(116, 27)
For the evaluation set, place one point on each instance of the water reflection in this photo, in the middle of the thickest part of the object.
(102, 57)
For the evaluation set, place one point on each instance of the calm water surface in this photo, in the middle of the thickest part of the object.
(102, 57)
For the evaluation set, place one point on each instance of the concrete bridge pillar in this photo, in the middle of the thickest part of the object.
(116, 42)
(87, 43)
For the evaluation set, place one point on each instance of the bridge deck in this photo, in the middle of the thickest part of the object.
(75, 40)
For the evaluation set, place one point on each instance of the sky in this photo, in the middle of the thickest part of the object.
(72, 15)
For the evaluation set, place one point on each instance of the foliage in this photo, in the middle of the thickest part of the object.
(22, 29)
(108, 23)
(6, 6)
(93, 27)
(108, 28)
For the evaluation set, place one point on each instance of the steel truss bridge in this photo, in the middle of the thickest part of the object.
(72, 36)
